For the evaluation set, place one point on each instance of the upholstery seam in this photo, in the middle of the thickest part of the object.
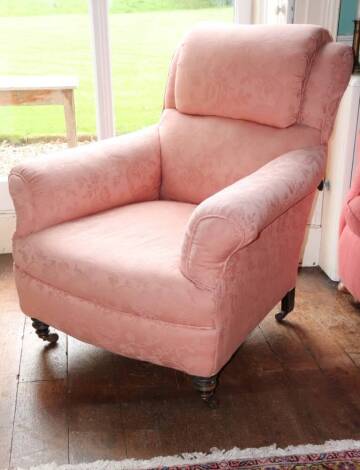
(160, 161)
(97, 304)
(350, 209)
(306, 79)
(174, 62)
(180, 50)
(27, 186)
(280, 215)
(240, 245)
(221, 279)
(218, 328)
(189, 248)
(326, 118)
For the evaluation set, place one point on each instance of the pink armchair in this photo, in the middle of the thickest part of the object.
(349, 242)
(171, 244)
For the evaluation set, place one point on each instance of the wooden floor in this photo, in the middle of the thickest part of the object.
(294, 383)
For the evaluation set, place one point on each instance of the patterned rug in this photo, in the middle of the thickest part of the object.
(333, 455)
(344, 460)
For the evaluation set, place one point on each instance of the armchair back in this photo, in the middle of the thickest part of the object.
(240, 96)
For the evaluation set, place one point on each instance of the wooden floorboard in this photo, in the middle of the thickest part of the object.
(12, 328)
(42, 361)
(291, 383)
(40, 428)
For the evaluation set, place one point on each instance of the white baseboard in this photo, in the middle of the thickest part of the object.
(7, 217)
(311, 247)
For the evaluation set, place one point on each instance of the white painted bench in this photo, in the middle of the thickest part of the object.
(42, 90)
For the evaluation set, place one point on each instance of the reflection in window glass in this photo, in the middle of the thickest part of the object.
(53, 38)
(144, 35)
(44, 38)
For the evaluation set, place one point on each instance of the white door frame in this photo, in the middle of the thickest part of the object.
(243, 11)
(105, 122)
(321, 12)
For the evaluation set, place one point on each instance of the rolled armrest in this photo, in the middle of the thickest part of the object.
(85, 180)
(234, 217)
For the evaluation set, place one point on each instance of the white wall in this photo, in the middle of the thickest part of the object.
(7, 217)
(341, 159)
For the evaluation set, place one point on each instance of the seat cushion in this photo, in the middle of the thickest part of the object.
(125, 259)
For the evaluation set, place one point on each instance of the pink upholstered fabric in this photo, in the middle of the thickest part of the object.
(349, 242)
(202, 155)
(169, 97)
(197, 350)
(190, 349)
(133, 251)
(110, 246)
(250, 71)
(352, 215)
(257, 277)
(349, 260)
(85, 180)
(235, 216)
(328, 79)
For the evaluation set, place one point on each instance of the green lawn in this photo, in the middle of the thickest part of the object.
(50, 7)
(142, 45)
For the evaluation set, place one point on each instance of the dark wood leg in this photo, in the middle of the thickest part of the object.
(206, 386)
(287, 305)
(43, 332)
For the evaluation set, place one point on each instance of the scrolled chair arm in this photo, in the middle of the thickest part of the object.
(85, 180)
(235, 216)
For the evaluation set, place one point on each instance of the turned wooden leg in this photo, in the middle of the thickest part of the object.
(287, 305)
(43, 332)
(206, 386)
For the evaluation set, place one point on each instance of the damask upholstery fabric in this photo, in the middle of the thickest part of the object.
(240, 212)
(86, 180)
(202, 155)
(190, 349)
(270, 62)
(169, 96)
(138, 259)
(349, 242)
(352, 215)
(326, 83)
(197, 350)
(256, 277)
(168, 245)
(349, 258)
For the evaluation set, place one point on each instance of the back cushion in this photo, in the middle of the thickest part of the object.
(251, 72)
(202, 155)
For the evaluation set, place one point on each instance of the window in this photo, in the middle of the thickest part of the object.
(143, 37)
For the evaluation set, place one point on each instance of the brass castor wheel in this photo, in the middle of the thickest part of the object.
(43, 331)
(206, 386)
